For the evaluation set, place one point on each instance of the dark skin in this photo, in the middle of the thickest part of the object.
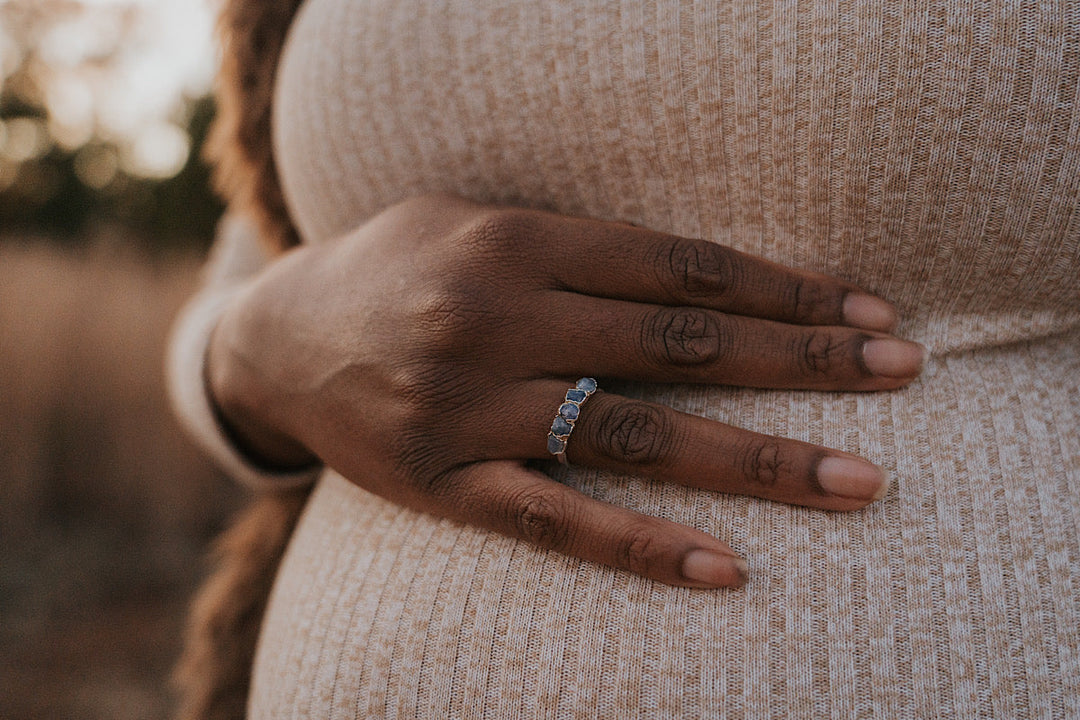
(423, 357)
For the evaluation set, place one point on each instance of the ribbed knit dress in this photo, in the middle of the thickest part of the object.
(928, 151)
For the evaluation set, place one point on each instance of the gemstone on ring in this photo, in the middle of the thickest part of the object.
(586, 384)
(575, 395)
(561, 428)
(567, 415)
(556, 446)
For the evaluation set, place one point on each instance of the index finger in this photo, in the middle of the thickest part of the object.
(624, 262)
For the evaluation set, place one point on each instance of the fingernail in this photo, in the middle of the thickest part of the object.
(867, 311)
(714, 569)
(852, 478)
(889, 357)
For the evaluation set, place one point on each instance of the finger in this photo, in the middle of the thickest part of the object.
(642, 438)
(629, 263)
(508, 498)
(661, 343)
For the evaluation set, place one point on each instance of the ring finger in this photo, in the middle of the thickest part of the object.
(641, 438)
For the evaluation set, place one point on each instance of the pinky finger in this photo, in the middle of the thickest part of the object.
(511, 499)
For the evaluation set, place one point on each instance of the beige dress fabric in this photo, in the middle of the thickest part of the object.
(929, 151)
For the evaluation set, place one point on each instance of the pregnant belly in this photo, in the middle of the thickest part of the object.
(958, 595)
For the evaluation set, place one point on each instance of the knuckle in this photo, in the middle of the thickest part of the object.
(502, 230)
(418, 439)
(819, 354)
(449, 312)
(428, 480)
(540, 518)
(637, 550)
(810, 302)
(633, 432)
(702, 268)
(453, 320)
(682, 336)
(764, 465)
(425, 392)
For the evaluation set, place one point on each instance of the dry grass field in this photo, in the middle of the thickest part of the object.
(106, 510)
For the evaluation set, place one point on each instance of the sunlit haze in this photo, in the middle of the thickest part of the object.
(117, 69)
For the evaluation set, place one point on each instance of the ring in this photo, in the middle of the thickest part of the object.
(568, 413)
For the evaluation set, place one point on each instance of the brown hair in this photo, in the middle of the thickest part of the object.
(213, 675)
(252, 34)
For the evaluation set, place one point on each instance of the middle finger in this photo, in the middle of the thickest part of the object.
(639, 341)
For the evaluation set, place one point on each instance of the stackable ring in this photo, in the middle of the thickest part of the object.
(568, 413)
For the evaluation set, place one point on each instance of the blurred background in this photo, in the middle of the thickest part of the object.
(106, 511)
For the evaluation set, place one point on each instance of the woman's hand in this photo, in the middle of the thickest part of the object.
(424, 357)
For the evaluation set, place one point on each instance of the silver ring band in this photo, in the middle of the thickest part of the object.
(567, 415)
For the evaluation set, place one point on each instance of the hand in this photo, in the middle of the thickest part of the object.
(424, 357)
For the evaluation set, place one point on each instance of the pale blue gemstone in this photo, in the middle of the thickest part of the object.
(570, 411)
(586, 384)
(576, 395)
(555, 445)
(560, 427)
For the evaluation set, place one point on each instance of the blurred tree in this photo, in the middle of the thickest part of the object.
(67, 175)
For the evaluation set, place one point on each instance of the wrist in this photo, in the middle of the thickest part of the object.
(241, 410)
